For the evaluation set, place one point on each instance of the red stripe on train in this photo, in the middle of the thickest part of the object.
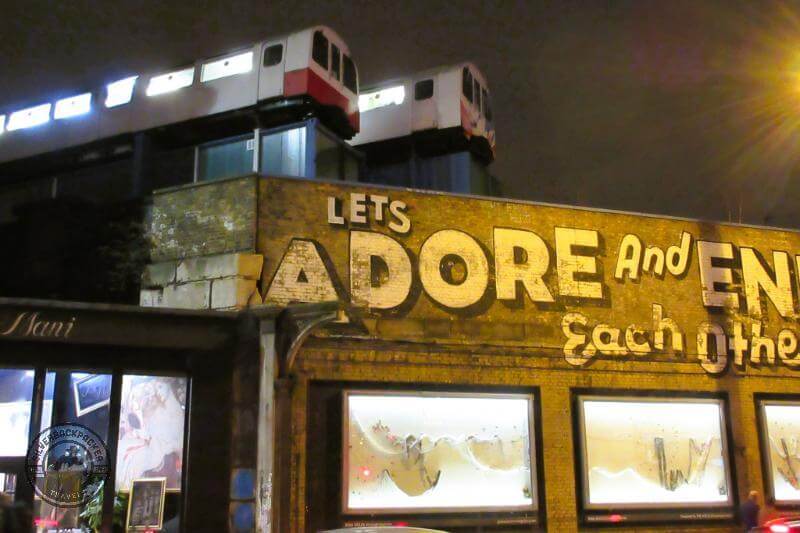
(306, 81)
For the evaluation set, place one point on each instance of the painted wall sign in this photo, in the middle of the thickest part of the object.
(588, 284)
(36, 324)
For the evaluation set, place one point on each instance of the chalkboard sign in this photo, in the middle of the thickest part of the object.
(146, 504)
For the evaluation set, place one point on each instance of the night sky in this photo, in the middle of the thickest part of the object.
(689, 108)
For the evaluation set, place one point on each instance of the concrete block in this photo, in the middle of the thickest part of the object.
(232, 292)
(220, 266)
(194, 295)
(159, 274)
(151, 298)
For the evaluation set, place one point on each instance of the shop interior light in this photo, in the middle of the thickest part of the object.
(375, 99)
(229, 66)
(73, 106)
(30, 117)
(172, 81)
(120, 92)
(2, 123)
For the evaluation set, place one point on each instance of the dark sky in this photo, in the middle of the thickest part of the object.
(677, 107)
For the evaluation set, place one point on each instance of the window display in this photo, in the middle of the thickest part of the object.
(151, 423)
(781, 446)
(415, 451)
(645, 452)
(16, 391)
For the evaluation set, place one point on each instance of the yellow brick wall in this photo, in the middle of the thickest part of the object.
(375, 361)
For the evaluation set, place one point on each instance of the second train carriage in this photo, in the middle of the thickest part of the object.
(308, 68)
(447, 108)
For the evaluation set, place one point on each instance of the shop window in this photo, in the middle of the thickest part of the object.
(273, 55)
(336, 65)
(425, 451)
(319, 49)
(643, 452)
(780, 427)
(151, 423)
(226, 159)
(283, 153)
(350, 76)
(466, 83)
(423, 90)
(16, 392)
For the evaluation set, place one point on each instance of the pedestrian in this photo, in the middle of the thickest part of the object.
(749, 511)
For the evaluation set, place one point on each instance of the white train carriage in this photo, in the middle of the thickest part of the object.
(308, 67)
(451, 99)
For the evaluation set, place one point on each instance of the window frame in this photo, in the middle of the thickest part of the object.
(316, 41)
(266, 56)
(347, 60)
(428, 94)
(466, 84)
(336, 62)
(216, 142)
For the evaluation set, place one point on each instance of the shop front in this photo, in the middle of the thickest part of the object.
(122, 394)
(509, 366)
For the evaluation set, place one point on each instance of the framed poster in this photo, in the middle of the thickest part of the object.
(641, 452)
(780, 448)
(151, 430)
(418, 451)
(146, 504)
(91, 393)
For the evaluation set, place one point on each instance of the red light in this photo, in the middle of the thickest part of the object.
(366, 472)
(779, 528)
(400, 524)
(615, 518)
(45, 522)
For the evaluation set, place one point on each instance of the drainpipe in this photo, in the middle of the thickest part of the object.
(282, 333)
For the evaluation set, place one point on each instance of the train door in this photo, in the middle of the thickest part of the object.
(273, 62)
(423, 108)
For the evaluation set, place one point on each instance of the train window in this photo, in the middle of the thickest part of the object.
(172, 81)
(488, 109)
(273, 55)
(485, 102)
(350, 77)
(228, 66)
(336, 65)
(423, 89)
(319, 49)
(476, 89)
(466, 83)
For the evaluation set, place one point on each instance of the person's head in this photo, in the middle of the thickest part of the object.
(753, 496)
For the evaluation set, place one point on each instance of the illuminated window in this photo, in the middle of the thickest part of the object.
(779, 445)
(423, 450)
(229, 66)
(29, 118)
(226, 159)
(16, 392)
(73, 106)
(423, 89)
(283, 153)
(319, 49)
(2, 123)
(151, 422)
(273, 55)
(381, 98)
(167, 83)
(350, 78)
(120, 92)
(653, 453)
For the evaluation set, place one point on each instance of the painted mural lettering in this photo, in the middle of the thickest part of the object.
(27, 324)
(362, 208)
(733, 293)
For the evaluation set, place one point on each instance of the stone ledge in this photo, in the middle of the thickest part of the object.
(246, 266)
(193, 295)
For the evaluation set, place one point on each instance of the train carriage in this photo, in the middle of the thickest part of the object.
(309, 70)
(445, 109)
